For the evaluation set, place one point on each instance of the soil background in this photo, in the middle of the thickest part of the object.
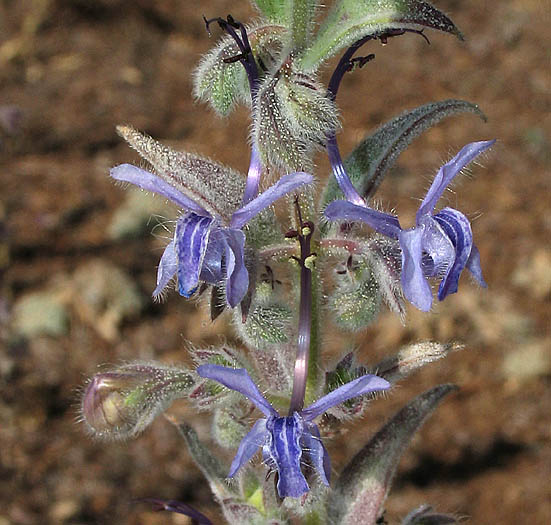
(78, 258)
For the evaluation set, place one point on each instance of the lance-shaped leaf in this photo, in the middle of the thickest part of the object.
(369, 162)
(209, 464)
(222, 83)
(359, 494)
(351, 20)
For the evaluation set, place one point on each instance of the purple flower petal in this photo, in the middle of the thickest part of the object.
(447, 172)
(382, 222)
(255, 438)
(285, 451)
(284, 185)
(313, 446)
(238, 379)
(416, 288)
(253, 176)
(211, 270)
(147, 181)
(192, 233)
(168, 266)
(340, 174)
(362, 385)
(237, 275)
(438, 248)
(473, 265)
(458, 229)
(172, 505)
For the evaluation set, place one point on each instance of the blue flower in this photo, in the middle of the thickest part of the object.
(439, 244)
(208, 243)
(284, 439)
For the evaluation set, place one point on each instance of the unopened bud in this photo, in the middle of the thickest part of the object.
(121, 403)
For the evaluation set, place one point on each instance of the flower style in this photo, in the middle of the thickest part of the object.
(283, 439)
(208, 243)
(439, 244)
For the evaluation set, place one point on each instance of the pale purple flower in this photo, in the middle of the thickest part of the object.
(440, 244)
(284, 439)
(207, 247)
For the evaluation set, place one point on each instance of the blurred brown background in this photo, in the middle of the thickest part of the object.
(78, 260)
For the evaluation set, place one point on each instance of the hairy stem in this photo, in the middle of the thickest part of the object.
(302, 15)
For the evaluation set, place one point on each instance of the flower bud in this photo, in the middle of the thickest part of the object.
(121, 403)
(292, 117)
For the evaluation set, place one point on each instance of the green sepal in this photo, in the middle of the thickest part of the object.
(351, 20)
(291, 118)
(369, 162)
(356, 300)
(222, 84)
(230, 424)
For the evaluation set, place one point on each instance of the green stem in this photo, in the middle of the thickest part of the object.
(302, 19)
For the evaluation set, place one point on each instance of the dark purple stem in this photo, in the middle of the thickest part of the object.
(246, 58)
(346, 64)
(305, 317)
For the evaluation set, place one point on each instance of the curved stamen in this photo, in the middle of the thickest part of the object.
(343, 180)
(253, 176)
(246, 56)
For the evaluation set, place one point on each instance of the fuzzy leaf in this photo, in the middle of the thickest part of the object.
(209, 464)
(369, 162)
(274, 10)
(214, 187)
(351, 20)
(359, 494)
(222, 84)
(291, 118)
(302, 22)
(411, 358)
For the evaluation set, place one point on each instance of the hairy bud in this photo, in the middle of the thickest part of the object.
(121, 403)
(291, 118)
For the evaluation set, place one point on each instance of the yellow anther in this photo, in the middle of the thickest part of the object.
(310, 261)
